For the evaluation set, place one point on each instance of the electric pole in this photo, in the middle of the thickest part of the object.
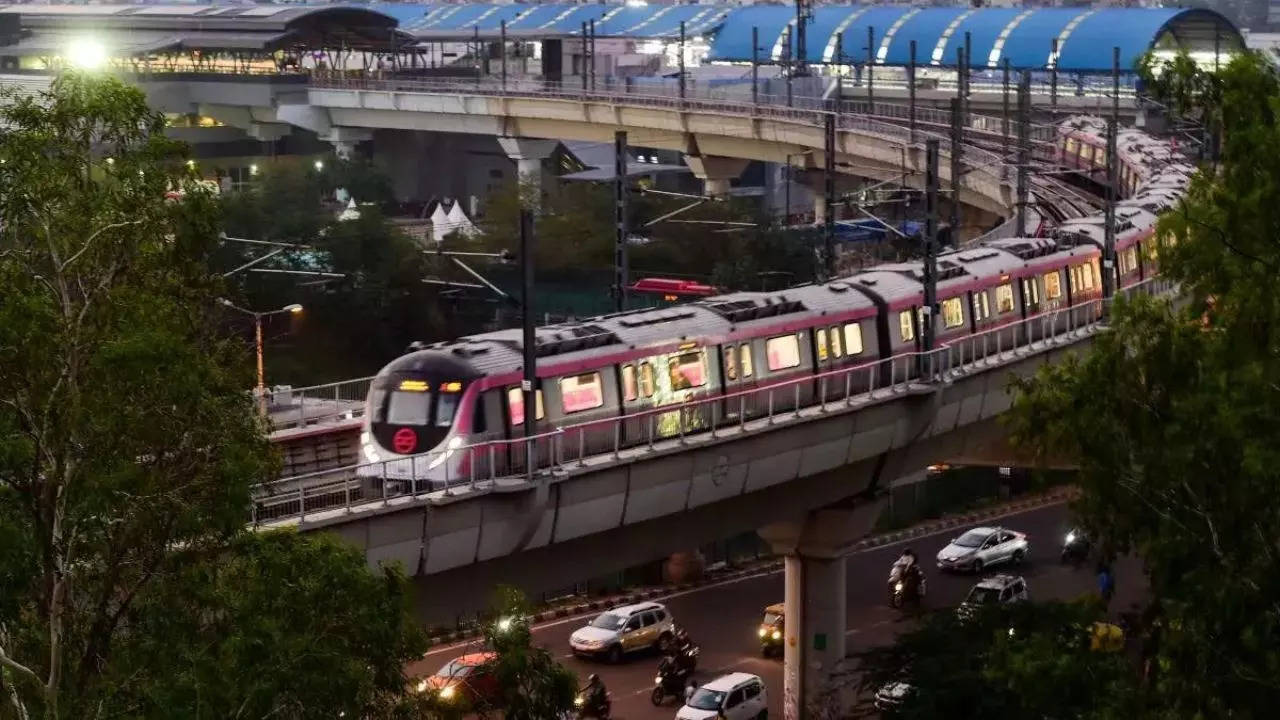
(930, 245)
(829, 198)
(620, 273)
(1024, 149)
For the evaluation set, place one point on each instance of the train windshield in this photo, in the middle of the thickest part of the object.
(446, 407)
(409, 408)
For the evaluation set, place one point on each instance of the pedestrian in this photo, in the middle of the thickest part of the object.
(1106, 584)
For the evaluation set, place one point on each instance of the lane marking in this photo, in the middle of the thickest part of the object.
(725, 583)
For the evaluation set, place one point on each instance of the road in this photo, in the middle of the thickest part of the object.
(722, 618)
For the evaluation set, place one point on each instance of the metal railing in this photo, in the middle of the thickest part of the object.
(299, 407)
(704, 419)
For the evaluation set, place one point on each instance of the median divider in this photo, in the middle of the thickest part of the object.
(768, 566)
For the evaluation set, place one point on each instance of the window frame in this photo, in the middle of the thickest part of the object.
(746, 361)
(540, 411)
(1004, 291)
(857, 328)
(906, 326)
(731, 362)
(837, 342)
(646, 368)
(768, 355)
(599, 383)
(820, 342)
(952, 304)
(630, 393)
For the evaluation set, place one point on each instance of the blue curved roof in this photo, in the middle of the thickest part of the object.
(1024, 36)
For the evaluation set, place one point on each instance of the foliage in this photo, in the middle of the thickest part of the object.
(214, 640)
(1012, 661)
(351, 325)
(1179, 83)
(534, 685)
(1172, 417)
(128, 448)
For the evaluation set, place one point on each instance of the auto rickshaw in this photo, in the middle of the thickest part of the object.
(1105, 637)
(771, 630)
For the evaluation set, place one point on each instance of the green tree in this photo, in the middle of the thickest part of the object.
(278, 625)
(128, 446)
(1028, 660)
(535, 686)
(1172, 417)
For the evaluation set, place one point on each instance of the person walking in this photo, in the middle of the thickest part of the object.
(1106, 584)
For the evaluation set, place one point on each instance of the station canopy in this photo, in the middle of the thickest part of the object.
(1025, 36)
(140, 29)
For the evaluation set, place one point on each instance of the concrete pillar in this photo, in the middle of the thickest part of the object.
(528, 154)
(715, 172)
(816, 594)
(345, 139)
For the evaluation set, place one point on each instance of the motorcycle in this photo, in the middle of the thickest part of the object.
(672, 680)
(599, 710)
(1075, 547)
(902, 589)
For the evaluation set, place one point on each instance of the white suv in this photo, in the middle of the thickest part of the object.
(736, 696)
(624, 629)
(995, 590)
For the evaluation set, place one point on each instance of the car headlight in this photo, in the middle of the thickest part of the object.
(762, 632)
(447, 692)
(657, 680)
(1071, 537)
(422, 686)
(777, 635)
(898, 587)
(577, 702)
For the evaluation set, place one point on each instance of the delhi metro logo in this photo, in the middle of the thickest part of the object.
(404, 441)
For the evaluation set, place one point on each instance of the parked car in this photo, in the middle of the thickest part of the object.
(736, 696)
(623, 630)
(984, 546)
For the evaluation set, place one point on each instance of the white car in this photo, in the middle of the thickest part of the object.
(623, 630)
(995, 590)
(984, 546)
(736, 696)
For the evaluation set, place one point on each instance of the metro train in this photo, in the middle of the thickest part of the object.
(451, 409)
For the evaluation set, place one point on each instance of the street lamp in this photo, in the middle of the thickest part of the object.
(293, 309)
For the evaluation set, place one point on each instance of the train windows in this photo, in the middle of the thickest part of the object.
(730, 362)
(646, 379)
(1082, 277)
(820, 339)
(981, 307)
(1052, 285)
(629, 382)
(581, 392)
(1004, 298)
(515, 404)
(783, 352)
(837, 347)
(446, 406)
(1030, 292)
(744, 354)
(853, 339)
(1128, 260)
(905, 327)
(409, 408)
(952, 312)
(687, 370)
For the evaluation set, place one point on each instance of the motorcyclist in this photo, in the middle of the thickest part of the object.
(595, 699)
(906, 569)
(683, 647)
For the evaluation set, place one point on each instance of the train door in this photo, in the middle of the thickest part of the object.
(514, 418)
(658, 381)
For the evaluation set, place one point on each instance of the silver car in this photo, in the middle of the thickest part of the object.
(984, 546)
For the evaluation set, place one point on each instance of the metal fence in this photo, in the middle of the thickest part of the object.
(298, 407)
(583, 445)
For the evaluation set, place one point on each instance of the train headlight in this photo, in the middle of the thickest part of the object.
(454, 444)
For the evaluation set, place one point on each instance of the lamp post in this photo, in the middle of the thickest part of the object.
(293, 308)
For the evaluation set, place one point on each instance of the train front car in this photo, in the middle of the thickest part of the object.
(417, 417)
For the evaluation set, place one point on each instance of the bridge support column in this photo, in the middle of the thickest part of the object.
(816, 592)
(528, 154)
(715, 172)
(345, 139)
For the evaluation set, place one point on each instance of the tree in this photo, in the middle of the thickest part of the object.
(1172, 418)
(128, 446)
(1027, 660)
(534, 685)
(324, 636)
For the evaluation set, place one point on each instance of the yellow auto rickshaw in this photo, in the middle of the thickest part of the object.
(771, 630)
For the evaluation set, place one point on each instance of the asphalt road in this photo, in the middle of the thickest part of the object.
(722, 618)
